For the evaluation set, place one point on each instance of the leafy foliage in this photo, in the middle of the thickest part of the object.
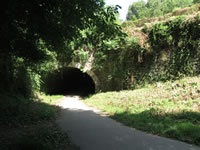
(137, 10)
(155, 8)
(177, 35)
(97, 40)
(40, 36)
(166, 51)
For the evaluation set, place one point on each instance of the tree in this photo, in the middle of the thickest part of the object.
(137, 10)
(155, 8)
(31, 29)
(196, 1)
(53, 21)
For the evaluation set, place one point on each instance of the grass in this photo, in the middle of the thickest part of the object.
(28, 124)
(170, 109)
(50, 99)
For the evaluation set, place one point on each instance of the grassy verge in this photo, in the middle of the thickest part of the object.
(169, 109)
(28, 124)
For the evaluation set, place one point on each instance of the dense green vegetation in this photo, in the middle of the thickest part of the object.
(170, 109)
(162, 51)
(160, 61)
(18, 110)
(155, 8)
(38, 38)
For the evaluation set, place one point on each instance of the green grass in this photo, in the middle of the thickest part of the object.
(29, 124)
(50, 99)
(170, 109)
(18, 110)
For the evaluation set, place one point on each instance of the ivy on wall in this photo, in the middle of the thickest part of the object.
(171, 51)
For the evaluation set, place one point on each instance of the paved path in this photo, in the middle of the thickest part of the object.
(92, 131)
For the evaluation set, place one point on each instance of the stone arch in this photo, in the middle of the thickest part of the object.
(95, 79)
(71, 81)
(87, 69)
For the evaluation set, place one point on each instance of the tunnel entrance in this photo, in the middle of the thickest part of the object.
(71, 81)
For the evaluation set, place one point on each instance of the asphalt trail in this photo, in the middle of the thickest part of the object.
(90, 130)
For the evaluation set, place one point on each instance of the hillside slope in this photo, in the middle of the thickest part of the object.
(156, 49)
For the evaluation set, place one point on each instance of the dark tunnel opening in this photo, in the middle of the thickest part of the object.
(71, 81)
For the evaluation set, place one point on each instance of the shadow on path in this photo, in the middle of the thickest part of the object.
(92, 131)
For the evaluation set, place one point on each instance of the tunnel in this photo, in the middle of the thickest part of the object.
(70, 81)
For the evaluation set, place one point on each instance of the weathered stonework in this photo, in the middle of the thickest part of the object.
(87, 67)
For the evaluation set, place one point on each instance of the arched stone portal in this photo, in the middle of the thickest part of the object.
(71, 81)
(95, 79)
(87, 68)
(76, 82)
